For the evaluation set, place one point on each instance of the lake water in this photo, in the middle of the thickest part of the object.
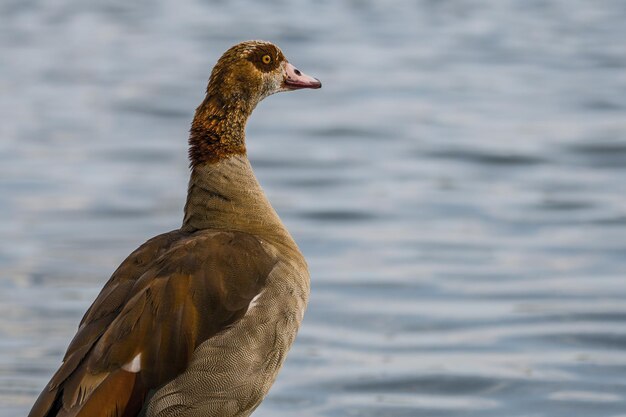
(458, 187)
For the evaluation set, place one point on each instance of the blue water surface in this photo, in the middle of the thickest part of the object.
(458, 187)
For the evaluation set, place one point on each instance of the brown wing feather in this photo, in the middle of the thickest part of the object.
(116, 292)
(166, 298)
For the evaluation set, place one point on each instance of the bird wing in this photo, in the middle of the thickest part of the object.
(170, 295)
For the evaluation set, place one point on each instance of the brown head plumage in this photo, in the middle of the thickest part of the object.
(244, 75)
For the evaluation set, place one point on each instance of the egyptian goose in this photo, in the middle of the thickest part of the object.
(197, 321)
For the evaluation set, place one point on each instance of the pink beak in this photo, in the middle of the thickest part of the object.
(295, 79)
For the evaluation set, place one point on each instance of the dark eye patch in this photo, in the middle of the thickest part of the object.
(256, 57)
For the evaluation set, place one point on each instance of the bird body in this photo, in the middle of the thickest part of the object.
(198, 321)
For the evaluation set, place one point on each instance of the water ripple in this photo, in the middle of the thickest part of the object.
(457, 186)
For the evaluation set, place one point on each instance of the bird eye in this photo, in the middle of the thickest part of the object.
(266, 59)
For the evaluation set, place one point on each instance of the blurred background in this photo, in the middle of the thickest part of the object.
(458, 187)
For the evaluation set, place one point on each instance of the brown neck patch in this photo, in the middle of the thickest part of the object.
(217, 131)
(235, 87)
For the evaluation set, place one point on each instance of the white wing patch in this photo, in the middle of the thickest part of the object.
(255, 301)
(133, 366)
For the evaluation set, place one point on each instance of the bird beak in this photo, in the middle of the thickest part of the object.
(295, 79)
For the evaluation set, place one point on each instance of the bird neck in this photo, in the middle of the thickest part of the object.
(226, 195)
(218, 129)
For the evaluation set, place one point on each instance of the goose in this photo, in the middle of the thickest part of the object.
(198, 321)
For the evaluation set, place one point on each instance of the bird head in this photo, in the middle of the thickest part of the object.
(253, 70)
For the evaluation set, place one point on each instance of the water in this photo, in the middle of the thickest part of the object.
(458, 187)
